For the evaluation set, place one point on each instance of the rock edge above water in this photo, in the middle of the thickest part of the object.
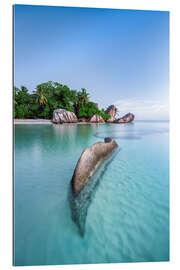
(63, 116)
(90, 159)
(127, 118)
(111, 110)
(96, 119)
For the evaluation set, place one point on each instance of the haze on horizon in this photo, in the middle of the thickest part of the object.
(121, 57)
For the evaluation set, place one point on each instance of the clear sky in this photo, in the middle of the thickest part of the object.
(120, 56)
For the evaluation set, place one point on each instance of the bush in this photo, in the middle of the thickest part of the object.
(89, 109)
(105, 116)
(22, 111)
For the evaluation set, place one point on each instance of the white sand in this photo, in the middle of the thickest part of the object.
(32, 121)
(47, 122)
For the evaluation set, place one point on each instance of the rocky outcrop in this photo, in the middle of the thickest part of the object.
(63, 116)
(111, 110)
(96, 119)
(90, 160)
(126, 118)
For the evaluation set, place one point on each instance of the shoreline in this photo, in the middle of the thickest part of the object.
(49, 122)
(32, 121)
(45, 122)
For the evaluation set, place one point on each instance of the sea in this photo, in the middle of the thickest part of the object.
(127, 216)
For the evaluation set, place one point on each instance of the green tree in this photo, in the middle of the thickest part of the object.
(22, 103)
(53, 95)
(89, 109)
(83, 96)
(81, 99)
(49, 96)
(41, 98)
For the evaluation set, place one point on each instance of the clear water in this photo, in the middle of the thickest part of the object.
(128, 217)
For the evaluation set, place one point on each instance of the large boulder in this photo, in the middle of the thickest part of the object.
(126, 118)
(63, 116)
(90, 159)
(96, 119)
(111, 110)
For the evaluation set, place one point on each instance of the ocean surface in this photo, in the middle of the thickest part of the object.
(128, 215)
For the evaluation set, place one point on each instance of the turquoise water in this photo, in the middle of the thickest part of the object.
(128, 217)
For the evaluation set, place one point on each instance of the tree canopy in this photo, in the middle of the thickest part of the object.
(51, 95)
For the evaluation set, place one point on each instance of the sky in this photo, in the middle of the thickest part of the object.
(121, 57)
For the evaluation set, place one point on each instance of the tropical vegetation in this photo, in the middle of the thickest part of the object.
(51, 95)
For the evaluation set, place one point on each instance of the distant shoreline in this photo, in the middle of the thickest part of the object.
(45, 122)
(49, 122)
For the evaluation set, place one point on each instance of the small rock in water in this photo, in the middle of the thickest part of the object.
(107, 139)
(129, 117)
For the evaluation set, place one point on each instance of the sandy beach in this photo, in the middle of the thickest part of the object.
(46, 122)
(32, 121)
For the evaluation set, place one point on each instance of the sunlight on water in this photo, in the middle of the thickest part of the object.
(127, 218)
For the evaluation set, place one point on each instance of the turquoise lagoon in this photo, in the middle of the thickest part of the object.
(128, 217)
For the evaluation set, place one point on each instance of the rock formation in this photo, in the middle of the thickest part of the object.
(126, 118)
(63, 116)
(86, 177)
(91, 158)
(111, 110)
(96, 119)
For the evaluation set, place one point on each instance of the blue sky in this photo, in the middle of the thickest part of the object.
(120, 56)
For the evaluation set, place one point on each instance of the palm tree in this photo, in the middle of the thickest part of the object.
(80, 99)
(41, 98)
(103, 110)
(84, 96)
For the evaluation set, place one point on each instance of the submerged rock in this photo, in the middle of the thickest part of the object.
(63, 116)
(111, 110)
(91, 158)
(96, 119)
(86, 177)
(126, 118)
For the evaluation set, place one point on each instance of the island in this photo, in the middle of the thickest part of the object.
(59, 104)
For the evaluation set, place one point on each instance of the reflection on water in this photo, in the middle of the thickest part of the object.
(128, 132)
(53, 137)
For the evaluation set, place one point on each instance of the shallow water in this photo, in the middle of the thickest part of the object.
(128, 217)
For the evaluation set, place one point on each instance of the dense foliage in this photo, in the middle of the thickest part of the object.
(89, 109)
(50, 96)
